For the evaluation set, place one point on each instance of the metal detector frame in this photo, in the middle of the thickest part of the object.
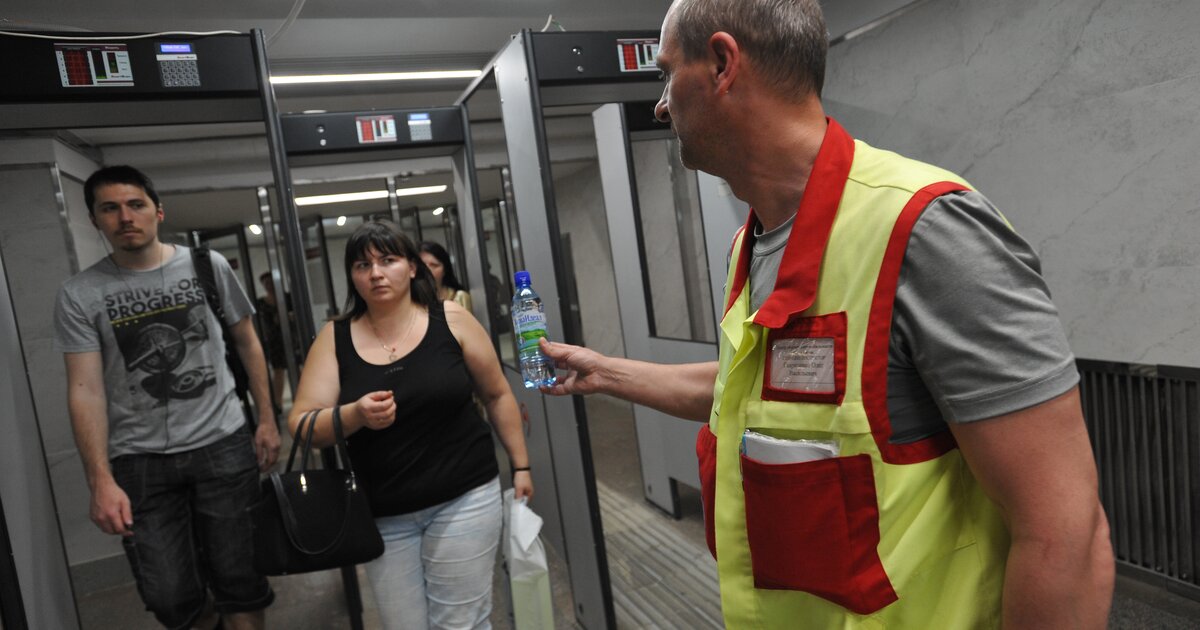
(106, 107)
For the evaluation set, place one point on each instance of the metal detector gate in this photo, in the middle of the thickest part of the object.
(587, 70)
(340, 138)
(666, 445)
(61, 81)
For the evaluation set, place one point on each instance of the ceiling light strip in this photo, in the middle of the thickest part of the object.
(374, 76)
(367, 195)
(317, 200)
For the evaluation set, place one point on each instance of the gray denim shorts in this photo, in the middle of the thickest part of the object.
(191, 531)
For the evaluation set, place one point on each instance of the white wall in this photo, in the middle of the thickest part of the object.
(1079, 119)
(43, 244)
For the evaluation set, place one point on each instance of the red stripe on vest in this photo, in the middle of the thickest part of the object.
(879, 328)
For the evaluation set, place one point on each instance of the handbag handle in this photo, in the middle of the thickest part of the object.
(312, 425)
(305, 419)
(343, 450)
(310, 418)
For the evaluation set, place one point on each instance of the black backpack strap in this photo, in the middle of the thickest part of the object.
(203, 265)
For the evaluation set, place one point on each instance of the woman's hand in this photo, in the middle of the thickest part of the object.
(522, 484)
(377, 410)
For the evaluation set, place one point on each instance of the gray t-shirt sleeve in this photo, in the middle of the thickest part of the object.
(973, 315)
(73, 331)
(234, 301)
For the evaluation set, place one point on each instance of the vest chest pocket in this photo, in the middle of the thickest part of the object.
(806, 360)
(814, 527)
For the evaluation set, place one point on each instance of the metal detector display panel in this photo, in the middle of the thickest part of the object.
(177, 64)
(307, 134)
(93, 65)
(637, 55)
(124, 67)
(375, 129)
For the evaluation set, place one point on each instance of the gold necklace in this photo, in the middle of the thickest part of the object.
(392, 349)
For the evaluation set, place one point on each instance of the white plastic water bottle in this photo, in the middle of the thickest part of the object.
(529, 323)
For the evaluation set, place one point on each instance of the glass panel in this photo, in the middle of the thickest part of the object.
(498, 282)
(672, 233)
(435, 226)
(454, 245)
(324, 228)
(409, 223)
(500, 238)
(336, 233)
(335, 249)
(317, 268)
(589, 293)
(440, 225)
(229, 247)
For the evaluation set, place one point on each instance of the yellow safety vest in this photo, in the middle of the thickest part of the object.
(883, 535)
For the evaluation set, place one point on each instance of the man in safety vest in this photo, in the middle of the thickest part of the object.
(890, 341)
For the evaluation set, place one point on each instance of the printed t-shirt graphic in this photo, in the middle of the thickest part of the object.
(156, 331)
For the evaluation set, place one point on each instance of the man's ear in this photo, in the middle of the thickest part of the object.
(728, 60)
(160, 213)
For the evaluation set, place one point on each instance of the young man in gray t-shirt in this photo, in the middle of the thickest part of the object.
(169, 459)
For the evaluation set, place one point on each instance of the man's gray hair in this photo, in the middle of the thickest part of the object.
(786, 39)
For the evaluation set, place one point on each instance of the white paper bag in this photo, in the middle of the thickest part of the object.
(528, 573)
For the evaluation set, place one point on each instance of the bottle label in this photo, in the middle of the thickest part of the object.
(531, 326)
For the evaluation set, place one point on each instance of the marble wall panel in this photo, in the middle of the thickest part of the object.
(580, 203)
(90, 246)
(83, 541)
(37, 267)
(908, 74)
(660, 235)
(1079, 120)
(48, 384)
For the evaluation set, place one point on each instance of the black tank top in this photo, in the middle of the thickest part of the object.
(439, 447)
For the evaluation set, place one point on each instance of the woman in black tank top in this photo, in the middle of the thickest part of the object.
(404, 367)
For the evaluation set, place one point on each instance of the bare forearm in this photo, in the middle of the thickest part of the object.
(681, 390)
(89, 421)
(250, 351)
(1060, 581)
(323, 435)
(506, 417)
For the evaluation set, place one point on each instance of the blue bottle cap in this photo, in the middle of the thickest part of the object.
(521, 278)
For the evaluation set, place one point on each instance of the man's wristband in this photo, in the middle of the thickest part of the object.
(519, 469)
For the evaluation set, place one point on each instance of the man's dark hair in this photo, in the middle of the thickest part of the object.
(786, 39)
(117, 175)
(385, 237)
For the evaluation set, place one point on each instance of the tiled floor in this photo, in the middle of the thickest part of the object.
(660, 570)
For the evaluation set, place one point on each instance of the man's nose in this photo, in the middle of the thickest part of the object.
(660, 110)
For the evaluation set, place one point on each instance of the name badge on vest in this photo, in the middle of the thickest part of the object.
(804, 365)
(806, 360)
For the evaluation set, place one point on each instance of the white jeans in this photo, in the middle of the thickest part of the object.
(436, 568)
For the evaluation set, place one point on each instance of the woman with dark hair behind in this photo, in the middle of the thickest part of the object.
(448, 287)
(403, 365)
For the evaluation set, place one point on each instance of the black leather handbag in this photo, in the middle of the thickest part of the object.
(313, 519)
